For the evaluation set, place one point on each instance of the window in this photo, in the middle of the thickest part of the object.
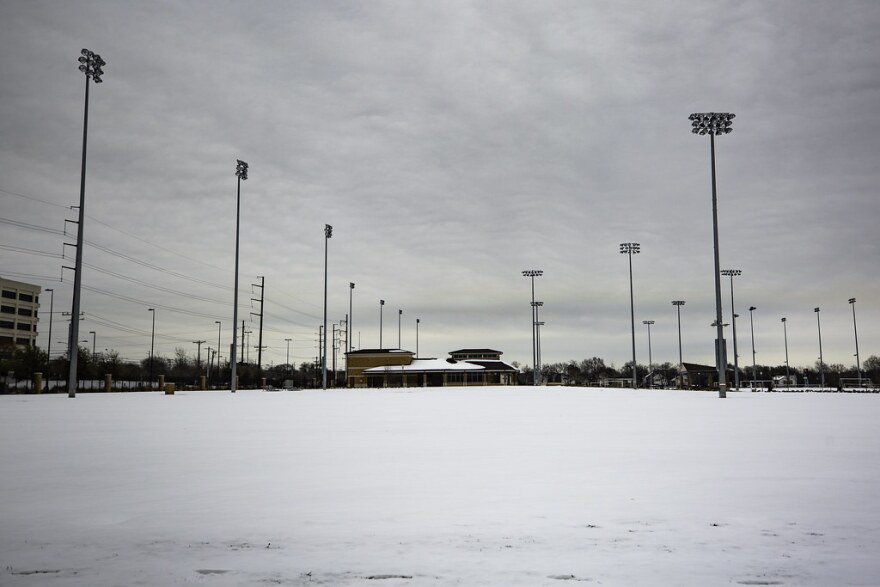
(455, 378)
(26, 297)
(475, 377)
(25, 312)
(7, 324)
(9, 294)
(7, 309)
(23, 326)
(22, 341)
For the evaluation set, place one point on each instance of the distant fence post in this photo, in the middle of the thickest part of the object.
(108, 383)
(38, 382)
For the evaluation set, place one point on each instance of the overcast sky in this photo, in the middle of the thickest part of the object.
(451, 145)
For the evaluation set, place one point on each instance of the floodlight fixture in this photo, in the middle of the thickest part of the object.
(712, 123)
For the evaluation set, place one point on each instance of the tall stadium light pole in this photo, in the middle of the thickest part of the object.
(715, 123)
(631, 249)
(733, 273)
(241, 172)
(399, 318)
(538, 324)
(852, 302)
(350, 316)
(533, 273)
(381, 305)
(821, 361)
(288, 353)
(328, 233)
(152, 343)
(650, 358)
(91, 65)
(785, 335)
(678, 304)
(752, 324)
(417, 337)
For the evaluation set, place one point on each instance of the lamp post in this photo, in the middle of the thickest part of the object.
(328, 233)
(219, 326)
(631, 249)
(49, 345)
(417, 337)
(399, 318)
(91, 65)
(787, 370)
(540, 375)
(241, 172)
(381, 305)
(752, 323)
(678, 304)
(288, 355)
(350, 317)
(733, 273)
(152, 341)
(715, 123)
(821, 361)
(94, 354)
(852, 302)
(533, 273)
(650, 359)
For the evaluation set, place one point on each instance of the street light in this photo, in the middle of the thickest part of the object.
(821, 362)
(91, 65)
(152, 341)
(350, 317)
(219, 326)
(752, 323)
(678, 304)
(381, 305)
(733, 273)
(713, 123)
(94, 354)
(538, 324)
(399, 318)
(787, 370)
(533, 273)
(852, 302)
(288, 355)
(650, 360)
(417, 337)
(328, 233)
(241, 172)
(631, 249)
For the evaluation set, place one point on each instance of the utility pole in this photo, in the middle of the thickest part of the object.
(199, 356)
(262, 287)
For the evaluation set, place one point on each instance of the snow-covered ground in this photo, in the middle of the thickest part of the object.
(479, 486)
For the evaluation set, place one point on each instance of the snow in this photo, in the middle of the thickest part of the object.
(464, 486)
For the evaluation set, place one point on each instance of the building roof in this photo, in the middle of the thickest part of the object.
(472, 351)
(435, 365)
(380, 352)
(492, 365)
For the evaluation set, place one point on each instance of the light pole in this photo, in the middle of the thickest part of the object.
(328, 233)
(752, 324)
(787, 370)
(350, 317)
(417, 337)
(678, 304)
(852, 302)
(94, 354)
(821, 361)
(715, 123)
(152, 341)
(540, 375)
(241, 172)
(631, 249)
(733, 273)
(288, 354)
(533, 273)
(91, 65)
(650, 359)
(219, 326)
(49, 346)
(399, 318)
(381, 305)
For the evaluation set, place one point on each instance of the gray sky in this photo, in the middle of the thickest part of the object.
(451, 145)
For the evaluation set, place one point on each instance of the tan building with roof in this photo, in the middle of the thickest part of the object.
(400, 368)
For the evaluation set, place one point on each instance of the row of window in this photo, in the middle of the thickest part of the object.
(4, 340)
(20, 312)
(20, 326)
(24, 297)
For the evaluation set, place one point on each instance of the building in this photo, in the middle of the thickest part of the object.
(400, 368)
(19, 308)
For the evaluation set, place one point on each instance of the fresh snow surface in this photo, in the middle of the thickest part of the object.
(479, 486)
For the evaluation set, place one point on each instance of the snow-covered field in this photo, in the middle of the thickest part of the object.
(479, 486)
